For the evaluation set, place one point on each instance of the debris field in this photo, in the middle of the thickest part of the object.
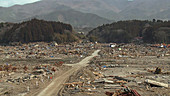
(123, 70)
(28, 68)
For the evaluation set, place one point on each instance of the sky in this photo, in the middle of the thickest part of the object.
(8, 3)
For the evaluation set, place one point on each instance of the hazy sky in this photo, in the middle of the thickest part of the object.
(7, 3)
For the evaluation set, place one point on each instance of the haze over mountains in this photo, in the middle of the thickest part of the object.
(50, 10)
(87, 13)
(122, 9)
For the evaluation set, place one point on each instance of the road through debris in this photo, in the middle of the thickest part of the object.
(53, 88)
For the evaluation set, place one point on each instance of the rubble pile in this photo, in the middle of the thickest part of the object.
(125, 70)
(119, 70)
(32, 66)
(41, 50)
(28, 76)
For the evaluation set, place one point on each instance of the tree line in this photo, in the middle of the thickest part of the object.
(156, 31)
(39, 30)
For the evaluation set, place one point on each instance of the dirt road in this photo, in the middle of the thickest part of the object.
(54, 87)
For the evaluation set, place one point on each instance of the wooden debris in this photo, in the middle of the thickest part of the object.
(156, 83)
(74, 84)
(121, 81)
(98, 74)
(108, 81)
(121, 78)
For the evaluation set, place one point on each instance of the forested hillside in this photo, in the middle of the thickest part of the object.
(38, 30)
(155, 31)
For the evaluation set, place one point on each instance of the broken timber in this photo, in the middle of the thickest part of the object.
(156, 83)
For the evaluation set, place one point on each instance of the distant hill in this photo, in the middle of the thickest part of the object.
(50, 10)
(121, 9)
(156, 31)
(38, 30)
(165, 14)
(146, 9)
(79, 12)
(75, 18)
(103, 8)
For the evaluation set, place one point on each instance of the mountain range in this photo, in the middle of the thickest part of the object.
(122, 9)
(52, 11)
(87, 13)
